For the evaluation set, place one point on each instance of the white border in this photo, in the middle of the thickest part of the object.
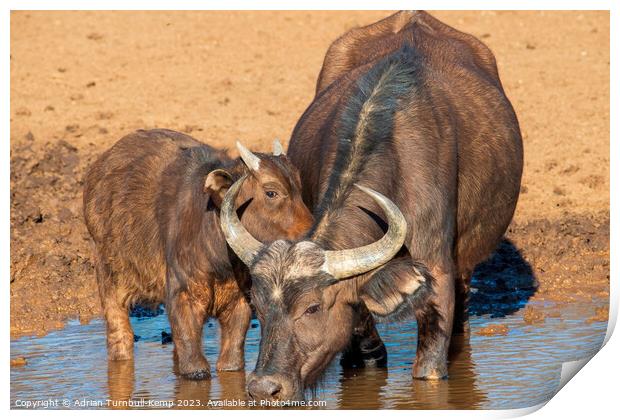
(593, 395)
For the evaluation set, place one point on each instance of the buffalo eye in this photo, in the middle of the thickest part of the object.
(271, 194)
(312, 309)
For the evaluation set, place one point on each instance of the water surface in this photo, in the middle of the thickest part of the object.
(516, 370)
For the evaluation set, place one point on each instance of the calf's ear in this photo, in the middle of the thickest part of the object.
(216, 184)
(396, 289)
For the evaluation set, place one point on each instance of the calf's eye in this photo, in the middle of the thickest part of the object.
(312, 309)
(271, 194)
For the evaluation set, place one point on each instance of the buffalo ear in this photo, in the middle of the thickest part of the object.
(396, 289)
(216, 184)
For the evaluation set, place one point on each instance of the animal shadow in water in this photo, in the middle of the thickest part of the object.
(146, 311)
(503, 284)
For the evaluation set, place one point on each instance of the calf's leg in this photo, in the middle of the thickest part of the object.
(187, 315)
(234, 323)
(119, 334)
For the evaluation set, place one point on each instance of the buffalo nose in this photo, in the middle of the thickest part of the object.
(264, 388)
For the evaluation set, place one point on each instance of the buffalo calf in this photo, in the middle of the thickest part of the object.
(151, 205)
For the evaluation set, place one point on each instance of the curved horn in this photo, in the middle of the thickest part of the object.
(239, 239)
(351, 262)
(250, 159)
(277, 148)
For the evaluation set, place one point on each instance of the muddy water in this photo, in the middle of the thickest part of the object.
(518, 369)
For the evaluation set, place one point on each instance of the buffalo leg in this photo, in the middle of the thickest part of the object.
(234, 323)
(366, 347)
(435, 327)
(461, 304)
(187, 318)
(119, 335)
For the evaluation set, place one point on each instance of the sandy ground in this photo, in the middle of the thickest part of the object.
(81, 80)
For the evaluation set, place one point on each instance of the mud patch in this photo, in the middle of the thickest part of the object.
(18, 361)
(494, 329)
(532, 315)
(569, 257)
(51, 271)
(601, 314)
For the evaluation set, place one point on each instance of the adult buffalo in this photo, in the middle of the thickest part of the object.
(413, 109)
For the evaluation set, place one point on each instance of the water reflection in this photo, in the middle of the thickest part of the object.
(232, 385)
(362, 388)
(189, 394)
(460, 392)
(121, 377)
(515, 370)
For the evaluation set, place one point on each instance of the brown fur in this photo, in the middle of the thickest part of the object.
(455, 161)
(414, 109)
(151, 207)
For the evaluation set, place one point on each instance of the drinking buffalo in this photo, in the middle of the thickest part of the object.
(151, 205)
(415, 110)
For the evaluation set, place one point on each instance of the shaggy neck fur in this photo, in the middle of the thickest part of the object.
(366, 127)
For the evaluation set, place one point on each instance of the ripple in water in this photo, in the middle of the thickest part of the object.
(516, 370)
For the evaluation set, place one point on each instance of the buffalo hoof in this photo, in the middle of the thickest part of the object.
(229, 366)
(429, 371)
(198, 375)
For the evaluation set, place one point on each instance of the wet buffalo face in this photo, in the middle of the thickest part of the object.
(305, 295)
(307, 315)
(305, 318)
